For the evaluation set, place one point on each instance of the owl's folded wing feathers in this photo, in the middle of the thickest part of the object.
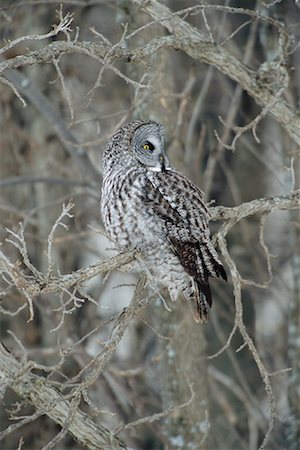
(179, 205)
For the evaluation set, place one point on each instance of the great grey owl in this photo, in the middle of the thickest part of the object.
(148, 205)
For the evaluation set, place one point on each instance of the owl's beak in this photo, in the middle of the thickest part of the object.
(162, 162)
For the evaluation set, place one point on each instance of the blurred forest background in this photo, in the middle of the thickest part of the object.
(90, 357)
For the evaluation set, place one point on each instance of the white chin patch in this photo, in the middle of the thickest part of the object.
(159, 168)
(155, 169)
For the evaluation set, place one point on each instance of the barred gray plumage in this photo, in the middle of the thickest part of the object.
(146, 204)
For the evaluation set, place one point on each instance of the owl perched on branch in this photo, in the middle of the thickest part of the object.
(148, 205)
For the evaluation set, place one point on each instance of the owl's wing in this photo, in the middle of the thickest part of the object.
(176, 200)
(183, 215)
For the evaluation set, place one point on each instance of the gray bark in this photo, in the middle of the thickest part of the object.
(48, 400)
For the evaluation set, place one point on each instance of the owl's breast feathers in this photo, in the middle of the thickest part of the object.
(179, 203)
(164, 212)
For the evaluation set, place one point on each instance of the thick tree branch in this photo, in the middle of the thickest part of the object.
(187, 38)
(45, 284)
(258, 206)
(48, 400)
(58, 362)
(98, 51)
(197, 45)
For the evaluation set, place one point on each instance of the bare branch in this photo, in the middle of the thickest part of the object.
(143, 56)
(116, 335)
(63, 26)
(48, 400)
(57, 283)
(194, 43)
(187, 38)
(157, 416)
(31, 287)
(25, 86)
(247, 339)
(65, 213)
(259, 206)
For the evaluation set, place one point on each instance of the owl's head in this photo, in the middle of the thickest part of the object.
(138, 142)
(148, 147)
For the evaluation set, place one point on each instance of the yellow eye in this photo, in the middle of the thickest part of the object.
(148, 146)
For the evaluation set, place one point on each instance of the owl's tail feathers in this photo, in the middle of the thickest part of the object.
(220, 271)
(209, 266)
(200, 301)
(210, 262)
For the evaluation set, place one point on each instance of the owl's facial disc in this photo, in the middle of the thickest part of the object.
(148, 147)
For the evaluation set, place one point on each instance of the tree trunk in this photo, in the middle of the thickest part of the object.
(183, 367)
